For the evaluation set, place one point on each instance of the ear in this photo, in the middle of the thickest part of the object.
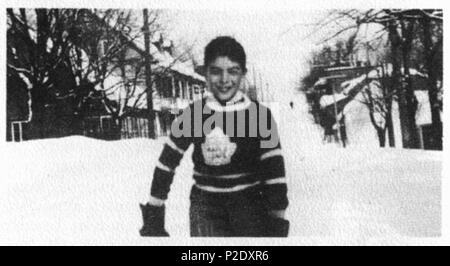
(201, 70)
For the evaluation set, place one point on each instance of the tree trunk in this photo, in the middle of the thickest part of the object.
(386, 82)
(404, 91)
(381, 137)
(38, 100)
(436, 132)
(39, 95)
(389, 124)
(394, 39)
(407, 97)
(381, 132)
(148, 78)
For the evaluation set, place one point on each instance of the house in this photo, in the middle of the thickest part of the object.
(120, 100)
(350, 103)
(175, 85)
(18, 108)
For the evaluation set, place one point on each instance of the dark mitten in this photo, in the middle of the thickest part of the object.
(154, 217)
(276, 227)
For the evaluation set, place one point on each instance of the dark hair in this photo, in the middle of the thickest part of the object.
(225, 46)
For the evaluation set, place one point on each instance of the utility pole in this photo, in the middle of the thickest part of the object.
(254, 76)
(255, 90)
(148, 77)
(261, 87)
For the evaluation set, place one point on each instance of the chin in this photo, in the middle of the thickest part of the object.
(225, 97)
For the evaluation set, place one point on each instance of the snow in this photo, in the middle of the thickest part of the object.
(321, 81)
(388, 69)
(359, 128)
(423, 113)
(327, 100)
(77, 190)
(349, 85)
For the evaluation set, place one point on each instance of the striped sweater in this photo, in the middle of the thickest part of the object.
(229, 153)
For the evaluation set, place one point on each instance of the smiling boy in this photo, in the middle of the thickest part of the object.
(240, 186)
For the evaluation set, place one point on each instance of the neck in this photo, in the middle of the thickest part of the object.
(237, 102)
(236, 97)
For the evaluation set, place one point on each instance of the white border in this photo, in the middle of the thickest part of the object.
(246, 6)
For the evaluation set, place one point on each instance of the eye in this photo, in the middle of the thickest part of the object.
(234, 71)
(215, 71)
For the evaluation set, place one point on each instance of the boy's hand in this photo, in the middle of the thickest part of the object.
(276, 225)
(153, 217)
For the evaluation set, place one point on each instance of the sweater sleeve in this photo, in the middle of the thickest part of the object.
(168, 161)
(272, 168)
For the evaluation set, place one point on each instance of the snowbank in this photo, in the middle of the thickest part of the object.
(78, 190)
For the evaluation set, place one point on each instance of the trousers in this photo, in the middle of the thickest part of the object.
(231, 214)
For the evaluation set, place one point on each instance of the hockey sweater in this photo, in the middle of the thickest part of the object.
(236, 147)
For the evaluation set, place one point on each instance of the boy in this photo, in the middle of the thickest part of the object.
(240, 186)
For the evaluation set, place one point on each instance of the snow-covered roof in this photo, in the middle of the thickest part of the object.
(185, 69)
(339, 68)
(321, 81)
(324, 80)
(377, 72)
(165, 60)
(349, 85)
(423, 113)
(327, 100)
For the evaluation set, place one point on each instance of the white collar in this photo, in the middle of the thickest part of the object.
(240, 101)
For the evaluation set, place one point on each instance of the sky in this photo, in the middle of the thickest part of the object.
(275, 43)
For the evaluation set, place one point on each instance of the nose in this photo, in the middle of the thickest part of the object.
(225, 78)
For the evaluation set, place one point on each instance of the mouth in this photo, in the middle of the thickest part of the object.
(223, 89)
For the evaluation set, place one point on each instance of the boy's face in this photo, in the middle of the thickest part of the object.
(224, 78)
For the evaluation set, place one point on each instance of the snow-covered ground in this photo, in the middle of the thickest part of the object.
(78, 190)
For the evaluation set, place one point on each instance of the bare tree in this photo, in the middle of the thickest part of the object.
(65, 53)
(377, 96)
(57, 52)
(432, 42)
(133, 73)
(401, 28)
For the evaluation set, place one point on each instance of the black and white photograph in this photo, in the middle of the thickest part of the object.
(220, 122)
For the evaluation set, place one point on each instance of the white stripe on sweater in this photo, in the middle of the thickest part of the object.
(164, 167)
(231, 189)
(272, 153)
(223, 176)
(279, 180)
(174, 146)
